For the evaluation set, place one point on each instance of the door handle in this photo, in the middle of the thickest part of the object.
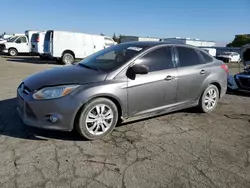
(168, 78)
(203, 72)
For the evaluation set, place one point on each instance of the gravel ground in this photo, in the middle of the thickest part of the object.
(181, 149)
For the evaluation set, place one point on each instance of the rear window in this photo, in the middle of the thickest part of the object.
(206, 57)
(48, 35)
(34, 37)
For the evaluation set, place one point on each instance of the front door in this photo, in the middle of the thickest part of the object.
(22, 44)
(192, 73)
(157, 89)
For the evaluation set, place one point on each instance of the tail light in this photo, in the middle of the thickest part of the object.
(225, 68)
(37, 40)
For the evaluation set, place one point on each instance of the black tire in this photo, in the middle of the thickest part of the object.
(68, 59)
(81, 125)
(12, 52)
(202, 106)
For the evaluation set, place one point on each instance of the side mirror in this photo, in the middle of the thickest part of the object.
(140, 69)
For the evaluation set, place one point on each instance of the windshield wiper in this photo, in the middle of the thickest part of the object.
(88, 67)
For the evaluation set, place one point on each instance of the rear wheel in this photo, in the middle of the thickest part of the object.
(67, 59)
(98, 118)
(209, 99)
(12, 52)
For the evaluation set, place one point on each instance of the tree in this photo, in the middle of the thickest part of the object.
(239, 41)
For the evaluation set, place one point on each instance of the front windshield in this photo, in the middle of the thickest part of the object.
(112, 57)
(12, 39)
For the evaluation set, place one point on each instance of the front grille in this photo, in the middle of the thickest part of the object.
(24, 89)
(245, 82)
(2, 47)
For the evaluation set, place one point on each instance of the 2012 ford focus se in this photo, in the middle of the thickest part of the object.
(124, 82)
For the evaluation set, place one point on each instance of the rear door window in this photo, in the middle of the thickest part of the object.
(206, 57)
(188, 56)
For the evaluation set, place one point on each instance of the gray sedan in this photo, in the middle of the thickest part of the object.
(121, 83)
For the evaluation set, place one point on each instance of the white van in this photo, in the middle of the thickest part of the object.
(37, 42)
(67, 46)
(19, 44)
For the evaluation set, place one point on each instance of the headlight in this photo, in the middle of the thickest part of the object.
(54, 92)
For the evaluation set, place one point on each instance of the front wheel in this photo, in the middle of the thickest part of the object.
(209, 99)
(12, 52)
(98, 119)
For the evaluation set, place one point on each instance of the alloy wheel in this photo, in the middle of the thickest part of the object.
(99, 119)
(210, 98)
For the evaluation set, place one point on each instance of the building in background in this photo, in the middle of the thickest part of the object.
(189, 41)
(136, 38)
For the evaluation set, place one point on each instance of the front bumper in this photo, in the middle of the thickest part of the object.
(239, 82)
(36, 113)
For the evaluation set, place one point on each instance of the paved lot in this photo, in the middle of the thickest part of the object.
(182, 149)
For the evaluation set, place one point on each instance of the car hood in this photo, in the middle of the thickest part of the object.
(73, 74)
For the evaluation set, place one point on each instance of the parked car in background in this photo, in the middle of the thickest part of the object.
(124, 82)
(67, 46)
(229, 57)
(37, 44)
(18, 44)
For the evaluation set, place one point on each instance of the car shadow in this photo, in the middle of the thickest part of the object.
(31, 60)
(11, 125)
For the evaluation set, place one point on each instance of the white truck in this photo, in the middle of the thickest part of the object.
(14, 35)
(37, 44)
(67, 46)
(18, 44)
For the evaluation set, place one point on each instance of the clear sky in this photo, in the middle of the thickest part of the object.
(217, 20)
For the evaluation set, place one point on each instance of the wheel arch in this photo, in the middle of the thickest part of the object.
(68, 51)
(13, 49)
(114, 99)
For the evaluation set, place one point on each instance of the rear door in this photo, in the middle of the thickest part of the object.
(48, 42)
(34, 42)
(192, 73)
